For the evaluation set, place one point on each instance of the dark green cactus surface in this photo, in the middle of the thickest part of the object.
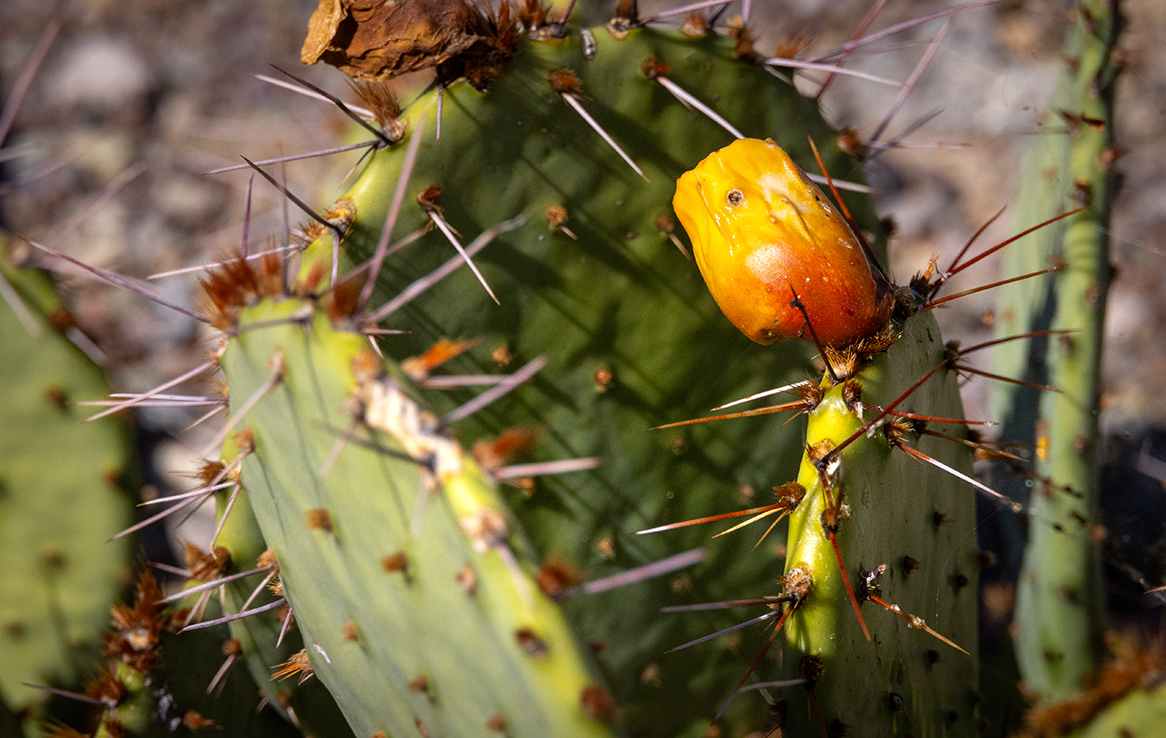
(916, 520)
(631, 337)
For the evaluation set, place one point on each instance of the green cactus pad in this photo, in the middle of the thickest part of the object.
(1059, 609)
(1139, 714)
(905, 682)
(60, 574)
(411, 646)
(307, 704)
(620, 302)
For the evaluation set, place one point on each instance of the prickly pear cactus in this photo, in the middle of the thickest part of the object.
(407, 567)
(909, 517)
(61, 575)
(414, 591)
(868, 516)
(261, 641)
(1059, 615)
(623, 318)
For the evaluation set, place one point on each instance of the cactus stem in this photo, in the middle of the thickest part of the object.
(832, 535)
(260, 392)
(237, 616)
(384, 450)
(297, 318)
(827, 458)
(830, 473)
(334, 452)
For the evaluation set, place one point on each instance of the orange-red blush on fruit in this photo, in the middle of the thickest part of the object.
(761, 231)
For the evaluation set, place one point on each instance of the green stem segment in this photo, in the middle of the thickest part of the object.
(915, 519)
(1059, 605)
